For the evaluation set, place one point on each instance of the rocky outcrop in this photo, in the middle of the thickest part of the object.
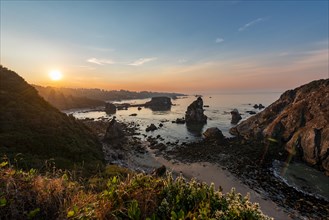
(114, 131)
(159, 103)
(236, 117)
(110, 108)
(151, 127)
(214, 133)
(299, 120)
(194, 113)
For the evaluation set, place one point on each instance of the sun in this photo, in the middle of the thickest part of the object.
(55, 75)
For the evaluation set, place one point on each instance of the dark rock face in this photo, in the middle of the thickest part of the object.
(236, 117)
(159, 104)
(114, 131)
(299, 120)
(194, 113)
(214, 134)
(110, 108)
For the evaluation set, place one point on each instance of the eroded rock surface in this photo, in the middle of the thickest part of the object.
(299, 120)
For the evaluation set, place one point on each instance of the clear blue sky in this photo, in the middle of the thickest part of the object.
(167, 46)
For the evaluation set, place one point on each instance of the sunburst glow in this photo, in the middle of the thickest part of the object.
(55, 75)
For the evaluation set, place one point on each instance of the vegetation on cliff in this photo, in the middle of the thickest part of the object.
(67, 98)
(32, 128)
(56, 195)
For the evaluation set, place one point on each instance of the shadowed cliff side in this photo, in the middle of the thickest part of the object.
(32, 128)
(299, 120)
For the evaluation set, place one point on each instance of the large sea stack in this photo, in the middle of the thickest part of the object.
(194, 113)
(159, 103)
(299, 120)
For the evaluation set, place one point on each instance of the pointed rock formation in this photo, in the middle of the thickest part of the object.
(194, 113)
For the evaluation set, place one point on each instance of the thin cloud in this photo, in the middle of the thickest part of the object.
(182, 60)
(246, 26)
(141, 61)
(100, 61)
(219, 40)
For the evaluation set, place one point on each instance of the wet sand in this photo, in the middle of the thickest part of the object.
(210, 173)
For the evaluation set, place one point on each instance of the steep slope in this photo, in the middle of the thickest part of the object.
(32, 128)
(299, 120)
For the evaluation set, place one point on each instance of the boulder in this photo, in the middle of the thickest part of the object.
(114, 131)
(236, 117)
(159, 103)
(110, 108)
(161, 171)
(194, 113)
(151, 127)
(299, 120)
(214, 133)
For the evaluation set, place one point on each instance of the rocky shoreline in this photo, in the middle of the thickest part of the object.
(250, 164)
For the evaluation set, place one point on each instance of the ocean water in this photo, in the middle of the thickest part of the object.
(218, 114)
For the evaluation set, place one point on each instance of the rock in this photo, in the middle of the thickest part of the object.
(139, 108)
(180, 121)
(110, 108)
(206, 106)
(114, 131)
(151, 127)
(123, 106)
(160, 125)
(214, 133)
(299, 120)
(251, 112)
(236, 117)
(159, 104)
(161, 171)
(255, 106)
(194, 113)
(133, 114)
(260, 106)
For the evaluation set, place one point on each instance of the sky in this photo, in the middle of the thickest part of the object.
(181, 46)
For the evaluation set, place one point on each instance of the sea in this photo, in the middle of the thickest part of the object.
(218, 113)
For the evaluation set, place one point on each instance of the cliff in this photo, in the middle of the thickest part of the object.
(299, 120)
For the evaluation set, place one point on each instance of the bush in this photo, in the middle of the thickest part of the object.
(56, 195)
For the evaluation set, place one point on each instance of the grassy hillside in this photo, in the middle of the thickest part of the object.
(32, 128)
(29, 195)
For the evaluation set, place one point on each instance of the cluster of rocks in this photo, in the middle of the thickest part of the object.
(259, 106)
(179, 121)
(299, 120)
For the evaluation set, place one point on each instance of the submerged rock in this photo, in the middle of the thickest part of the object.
(110, 108)
(114, 131)
(194, 113)
(299, 120)
(236, 117)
